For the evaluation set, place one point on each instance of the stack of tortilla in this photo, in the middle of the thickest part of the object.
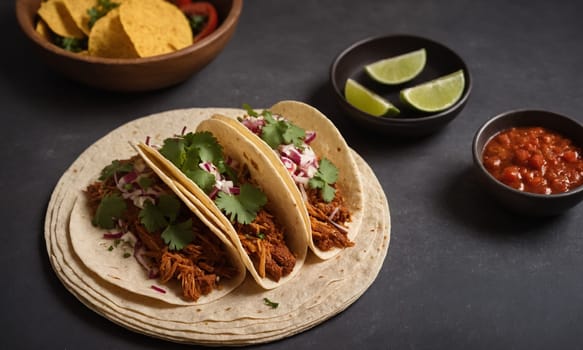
(322, 288)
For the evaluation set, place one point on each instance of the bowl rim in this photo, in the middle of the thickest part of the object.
(396, 120)
(477, 154)
(229, 21)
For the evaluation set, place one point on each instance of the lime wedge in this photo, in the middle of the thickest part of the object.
(435, 95)
(367, 101)
(397, 69)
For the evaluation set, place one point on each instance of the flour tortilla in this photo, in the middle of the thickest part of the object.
(329, 143)
(282, 205)
(115, 267)
(321, 290)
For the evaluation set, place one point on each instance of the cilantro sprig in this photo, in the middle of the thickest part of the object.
(277, 132)
(270, 303)
(163, 215)
(188, 151)
(70, 44)
(110, 209)
(178, 235)
(326, 176)
(115, 167)
(243, 207)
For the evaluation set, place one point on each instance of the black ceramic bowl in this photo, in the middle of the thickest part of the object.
(519, 201)
(440, 61)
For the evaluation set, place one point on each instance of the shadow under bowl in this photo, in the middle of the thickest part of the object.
(526, 203)
(440, 61)
(133, 74)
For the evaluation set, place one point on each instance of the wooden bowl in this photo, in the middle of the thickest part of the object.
(135, 74)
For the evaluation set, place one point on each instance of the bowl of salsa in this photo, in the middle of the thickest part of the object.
(531, 160)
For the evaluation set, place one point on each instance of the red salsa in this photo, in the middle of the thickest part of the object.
(534, 159)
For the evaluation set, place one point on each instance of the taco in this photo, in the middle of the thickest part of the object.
(244, 195)
(316, 164)
(135, 231)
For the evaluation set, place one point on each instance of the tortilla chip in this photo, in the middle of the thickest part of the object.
(78, 10)
(155, 27)
(59, 20)
(43, 30)
(108, 39)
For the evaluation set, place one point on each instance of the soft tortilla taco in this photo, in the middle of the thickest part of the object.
(241, 193)
(316, 164)
(134, 230)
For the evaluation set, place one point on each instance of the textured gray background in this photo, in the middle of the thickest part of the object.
(461, 273)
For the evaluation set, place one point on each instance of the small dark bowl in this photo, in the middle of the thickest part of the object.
(518, 201)
(441, 60)
(132, 74)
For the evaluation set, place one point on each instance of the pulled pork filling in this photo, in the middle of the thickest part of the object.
(263, 240)
(324, 218)
(199, 266)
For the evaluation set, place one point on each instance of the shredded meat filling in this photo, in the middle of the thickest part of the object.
(264, 241)
(328, 220)
(198, 267)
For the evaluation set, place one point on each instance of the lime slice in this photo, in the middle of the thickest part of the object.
(397, 69)
(435, 95)
(367, 101)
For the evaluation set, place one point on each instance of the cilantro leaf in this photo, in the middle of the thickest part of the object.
(250, 110)
(174, 150)
(203, 179)
(197, 22)
(207, 147)
(270, 303)
(230, 173)
(326, 175)
(242, 208)
(316, 182)
(272, 133)
(145, 182)
(190, 150)
(157, 216)
(328, 193)
(110, 209)
(278, 132)
(169, 205)
(294, 134)
(327, 171)
(177, 236)
(115, 167)
(152, 217)
(70, 44)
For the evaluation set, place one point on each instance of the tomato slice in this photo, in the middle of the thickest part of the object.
(201, 8)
